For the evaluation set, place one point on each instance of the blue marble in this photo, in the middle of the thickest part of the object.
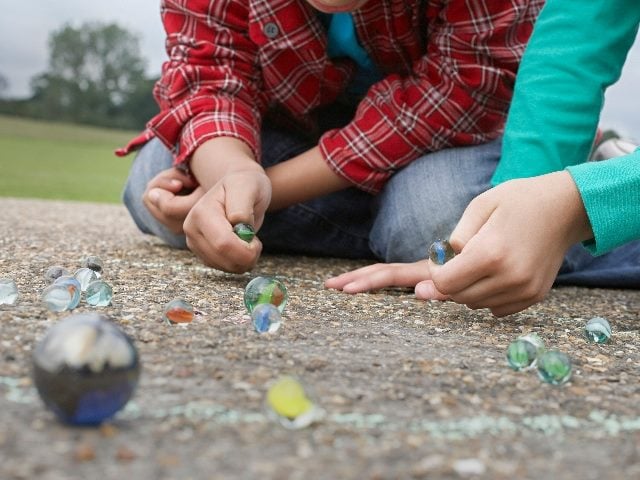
(266, 318)
(85, 369)
(441, 252)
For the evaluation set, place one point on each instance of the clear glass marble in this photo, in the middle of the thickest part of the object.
(73, 285)
(524, 351)
(85, 276)
(8, 292)
(178, 311)
(244, 231)
(289, 404)
(85, 369)
(266, 318)
(441, 252)
(55, 272)
(265, 290)
(57, 298)
(94, 263)
(98, 294)
(598, 330)
(554, 367)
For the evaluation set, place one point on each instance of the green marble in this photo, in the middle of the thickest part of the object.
(244, 231)
(524, 351)
(265, 290)
(597, 330)
(554, 367)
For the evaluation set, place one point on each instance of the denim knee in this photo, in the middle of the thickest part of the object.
(152, 158)
(424, 201)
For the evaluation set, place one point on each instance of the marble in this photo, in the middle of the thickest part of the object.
(8, 292)
(441, 252)
(265, 290)
(554, 367)
(85, 369)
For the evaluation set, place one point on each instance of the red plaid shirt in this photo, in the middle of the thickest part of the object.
(449, 68)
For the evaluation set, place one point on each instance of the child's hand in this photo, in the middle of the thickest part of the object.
(512, 240)
(380, 275)
(239, 196)
(164, 199)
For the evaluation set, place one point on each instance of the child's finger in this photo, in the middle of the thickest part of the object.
(171, 184)
(348, 277)
(239, 207)
(378, 278)
(510, 308)
(462, 271)
(426, 290)
(474, 217)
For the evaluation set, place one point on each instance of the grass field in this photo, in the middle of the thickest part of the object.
(61, 161)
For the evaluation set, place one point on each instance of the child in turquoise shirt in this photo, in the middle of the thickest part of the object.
(515, 238)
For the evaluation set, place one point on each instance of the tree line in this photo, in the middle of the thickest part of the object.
(95, 76)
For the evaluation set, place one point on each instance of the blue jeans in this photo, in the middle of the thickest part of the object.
(620, 268)
(419, 204)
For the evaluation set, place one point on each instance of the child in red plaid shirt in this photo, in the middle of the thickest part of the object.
(353, 128)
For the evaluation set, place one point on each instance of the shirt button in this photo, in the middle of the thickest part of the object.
(271, 30)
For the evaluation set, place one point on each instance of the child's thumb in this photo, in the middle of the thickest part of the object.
(156, 195)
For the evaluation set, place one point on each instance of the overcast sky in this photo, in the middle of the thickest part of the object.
(25, 27)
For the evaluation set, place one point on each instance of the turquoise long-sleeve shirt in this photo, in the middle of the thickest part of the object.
(576, 51)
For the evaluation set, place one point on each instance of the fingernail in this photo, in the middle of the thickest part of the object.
(175, 183)
(425, 290)
(154, 196)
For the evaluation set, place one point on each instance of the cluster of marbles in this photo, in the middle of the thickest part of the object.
(178, 311)
(265, 299)
(440, 252)
(65, 290)
(290, 405)
(598, 330)
(528, 352)
(85, 369)
(244, 231)
(8, 292)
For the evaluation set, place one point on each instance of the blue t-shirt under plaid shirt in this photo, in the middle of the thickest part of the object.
(342, 41)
